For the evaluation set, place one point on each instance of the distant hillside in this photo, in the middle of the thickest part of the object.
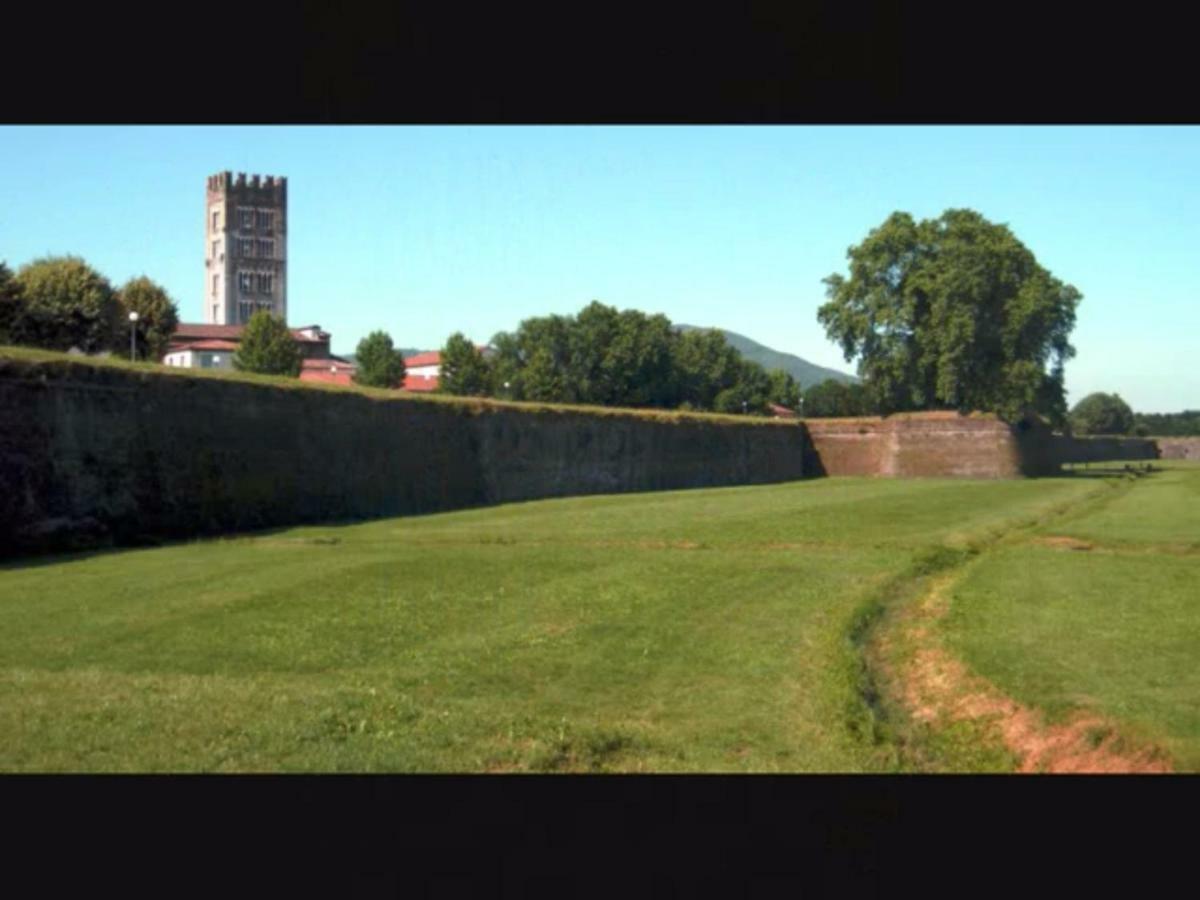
(802, 370)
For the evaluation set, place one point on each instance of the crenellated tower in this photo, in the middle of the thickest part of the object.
(245, 251)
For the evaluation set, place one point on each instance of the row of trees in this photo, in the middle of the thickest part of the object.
(1101, 413)
(609, 357)
(61, 302)
(1180, 424)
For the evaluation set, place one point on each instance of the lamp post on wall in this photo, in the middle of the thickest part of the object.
(133, 317)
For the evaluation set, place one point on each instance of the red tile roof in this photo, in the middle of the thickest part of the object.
(324, 365)
(431, 358)
(199, 331)
(782, 412)
(213, 344)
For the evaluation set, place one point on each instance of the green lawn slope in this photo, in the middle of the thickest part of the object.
(705, 630)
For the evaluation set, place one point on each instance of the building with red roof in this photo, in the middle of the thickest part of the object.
(423, 370)
(204, 346)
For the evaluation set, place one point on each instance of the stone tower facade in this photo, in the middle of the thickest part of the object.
(245, 251)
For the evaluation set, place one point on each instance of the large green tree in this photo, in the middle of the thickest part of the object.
(705, 365)
(380, 364)
(750, 393)
(784, 389)
(157, 314)
(463, 369)
(954, 313)
(1101, 413)
(267, 347)
(11, 305)
(831, 398)
(66, 303)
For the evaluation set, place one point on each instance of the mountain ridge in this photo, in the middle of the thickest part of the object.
(801, 369)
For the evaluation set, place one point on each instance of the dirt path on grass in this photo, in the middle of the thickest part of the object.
(937, 688)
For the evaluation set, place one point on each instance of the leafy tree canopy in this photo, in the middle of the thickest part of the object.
(157, 319)
(380, 364)
(833, 399)
(463, 371)
(267, 347)
(1180, 424)
(952, 312)
(10, 304)
(65, 303)
(613, 357)
(784, 389)
(1101, 413)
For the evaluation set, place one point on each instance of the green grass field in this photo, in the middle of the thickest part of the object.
(706, 630)
(1113, 629)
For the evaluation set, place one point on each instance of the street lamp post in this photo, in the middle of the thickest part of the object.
(133, 317)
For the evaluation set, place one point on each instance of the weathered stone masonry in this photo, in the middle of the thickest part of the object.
(91, 455)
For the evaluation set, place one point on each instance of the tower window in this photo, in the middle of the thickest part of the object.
(245, 247)
(245, 217)
(215, 280)
(216, 244)
(214, 225)
(266, 219)
(245, 282)
(264, 282)
(266, 249)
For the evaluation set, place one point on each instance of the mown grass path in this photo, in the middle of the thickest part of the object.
(698, 630)
(1050, 651)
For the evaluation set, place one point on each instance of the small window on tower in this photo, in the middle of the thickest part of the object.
(245, 247)
(266, 219)
(265, 282)
(245, 282)
(245, 217)
(266, 249)
(215, 278)
(214, 225)
(216, 244)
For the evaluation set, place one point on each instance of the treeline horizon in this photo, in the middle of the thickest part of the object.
(608, 357)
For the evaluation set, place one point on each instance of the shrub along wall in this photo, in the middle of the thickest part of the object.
(92, 454)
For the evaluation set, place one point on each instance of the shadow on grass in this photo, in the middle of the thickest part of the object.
(1107, 470)
(115, 547)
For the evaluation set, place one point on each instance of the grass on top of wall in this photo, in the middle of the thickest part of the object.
(27, 361)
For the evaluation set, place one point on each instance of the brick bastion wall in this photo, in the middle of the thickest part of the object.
(944, 444)
(93, 454)
(948, 444)
(1179, 447)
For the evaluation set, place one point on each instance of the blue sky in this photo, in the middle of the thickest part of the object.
(424, 231)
